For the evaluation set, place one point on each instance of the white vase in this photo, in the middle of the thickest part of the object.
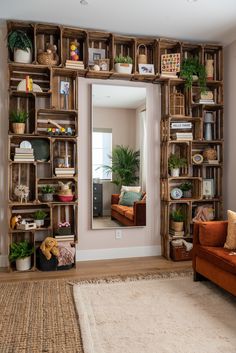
(123, 68)
(175, 172)
(22, 56)
(23, 264)
(39, 222)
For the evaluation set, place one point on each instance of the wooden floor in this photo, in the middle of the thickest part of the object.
(104, 268)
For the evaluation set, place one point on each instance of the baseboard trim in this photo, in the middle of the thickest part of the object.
(117, 253)
(3, 261)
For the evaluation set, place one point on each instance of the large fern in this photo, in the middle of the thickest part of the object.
(124, 166)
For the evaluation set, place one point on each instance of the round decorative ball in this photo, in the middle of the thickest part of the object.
(210, 154)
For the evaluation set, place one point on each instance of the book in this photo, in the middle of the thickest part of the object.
(212, 161)
(24, 150)
(206, 101)
(174, 232)
(181, 125)
(79, 62)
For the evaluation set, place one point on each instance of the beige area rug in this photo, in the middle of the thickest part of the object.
(173, 315)
(38, 317)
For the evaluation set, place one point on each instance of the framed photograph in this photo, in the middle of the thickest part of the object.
(103, 64)
(208, 188)
(96, 54)
(146, 69)
(64, 88)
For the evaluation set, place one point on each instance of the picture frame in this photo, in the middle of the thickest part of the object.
(104, 64)
(96, 54)
(64, 88)
(146, 69)
(208, 189)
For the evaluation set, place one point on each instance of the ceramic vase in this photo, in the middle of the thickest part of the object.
(175, 172)
(23, 264)
(209, 69)
(23, 56)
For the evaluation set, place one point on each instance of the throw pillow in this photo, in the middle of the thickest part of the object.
(231, 233)
(212, 233)
(129, 197)
(129, 188)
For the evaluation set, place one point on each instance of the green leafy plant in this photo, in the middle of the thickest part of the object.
(19, 39)
(124, 165)
(190, 67)
(39, 215)
(175, 161)
(48, 189)
(20, 250)
(19, 117)
(186, 186)
(123, 59)
(177, 215)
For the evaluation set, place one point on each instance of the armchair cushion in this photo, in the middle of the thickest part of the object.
(213, 233)
(129, 197)
(220, 257)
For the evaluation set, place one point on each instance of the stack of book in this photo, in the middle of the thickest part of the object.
(24, 154)
(64, 172)
(182, 136)
(64, 238)
(175, 235)
(72, 64)
(211, 161)
(206, 101)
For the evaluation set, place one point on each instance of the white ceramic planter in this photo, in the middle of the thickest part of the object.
(123, 68)
(175, 172)
(23, 264)
(39, 222)
(22, 56)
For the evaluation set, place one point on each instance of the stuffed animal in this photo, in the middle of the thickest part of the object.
(52, 48)
(49, 247)
(15, 220)
(65, 189)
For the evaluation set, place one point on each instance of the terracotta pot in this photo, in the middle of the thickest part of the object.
(18, 128)
(177, 226)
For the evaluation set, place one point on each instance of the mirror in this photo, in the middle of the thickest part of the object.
(118, 156)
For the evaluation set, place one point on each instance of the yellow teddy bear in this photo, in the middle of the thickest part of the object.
(49, 247)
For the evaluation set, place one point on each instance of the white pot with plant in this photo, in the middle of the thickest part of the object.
(39, 217)
(18, 121)
(47, 193)
(20, 253)
(123, 64)
(21, 46)
(177, 220)
(175, 162)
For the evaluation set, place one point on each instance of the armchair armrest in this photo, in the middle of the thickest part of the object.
(115, 199)
(140, 213)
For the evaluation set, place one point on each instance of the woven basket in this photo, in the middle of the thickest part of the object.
(46, 59)
(176, 104)
(142, 58)
(210, 154)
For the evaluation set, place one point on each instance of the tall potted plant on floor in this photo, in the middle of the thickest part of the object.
(20, 253)
(21, 46)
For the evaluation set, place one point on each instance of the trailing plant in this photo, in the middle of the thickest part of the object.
(123, 59)
(175, 161)
(19, 116)
(177, 215)
(19, 39)
(190, 67)
(186, 186)
(20, 250)
(48, 189)
(39, 215)
(124, 165)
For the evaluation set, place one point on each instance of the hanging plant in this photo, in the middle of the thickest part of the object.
(191, 67)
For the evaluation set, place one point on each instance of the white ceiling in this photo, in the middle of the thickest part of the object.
(202, 20)
(110, 96)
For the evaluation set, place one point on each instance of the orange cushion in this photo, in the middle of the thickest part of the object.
(130, 214)
(212, 233)
(120, 209)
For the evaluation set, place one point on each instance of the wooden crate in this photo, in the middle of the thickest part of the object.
(22, 174)
(46, 34)
(48, 118)
(214, 52)
(166, 46)
(65, 213)
(64, 101)
(22, 101)
(179, 253)
(70, 34)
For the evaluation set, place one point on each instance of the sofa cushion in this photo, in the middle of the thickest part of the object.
(130, 214)
(218, 256)
(129, 188)
(129, 197)
(212, 233)
(121, 209)
(231, 234)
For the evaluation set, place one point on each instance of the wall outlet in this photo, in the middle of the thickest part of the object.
(118, 233)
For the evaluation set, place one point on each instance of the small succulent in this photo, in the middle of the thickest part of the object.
(123, 59)
(40, 215)
(47, 189)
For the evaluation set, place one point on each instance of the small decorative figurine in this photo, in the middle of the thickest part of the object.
(74, 50)
(22, 192)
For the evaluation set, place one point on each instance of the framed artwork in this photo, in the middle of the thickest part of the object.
(170, 64)
(96, 54)
(146, 69)
(208, 188)
(103, 64)
(64, 88)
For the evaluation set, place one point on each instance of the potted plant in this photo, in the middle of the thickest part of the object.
(39, 217)
(18, 120)
(186, 187)
(175, 163)
(124, 166)
(192, 69)
(123, 64)
(21, 45)
(177, 220)
(20, 253)
(47, 193)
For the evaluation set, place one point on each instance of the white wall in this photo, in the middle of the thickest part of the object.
(230, 127)
(142, 241)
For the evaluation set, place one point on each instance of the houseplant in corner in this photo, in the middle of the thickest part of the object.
(21, 46)
(18, 120)
(177, 220)
(20, 253)
(191, 70)
(39, 217)
(47, 193)
(123, 64)
(175, 163)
